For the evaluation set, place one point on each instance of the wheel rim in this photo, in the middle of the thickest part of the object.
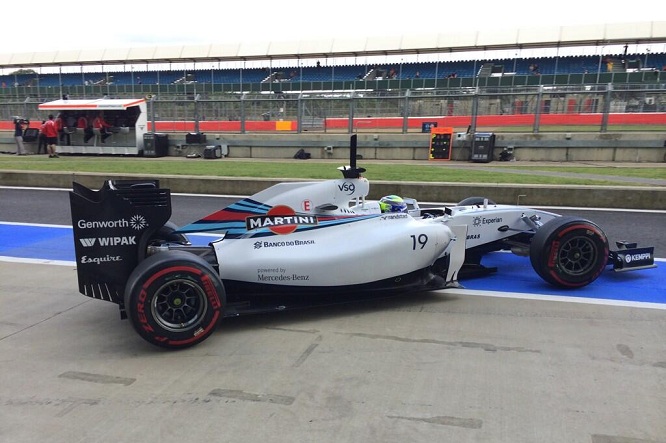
(178, 305)
(577, 256)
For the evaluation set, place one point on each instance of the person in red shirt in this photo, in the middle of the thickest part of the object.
(102, 125)
(42, 143)
(63, 130)
(51, 133)
(82, 124)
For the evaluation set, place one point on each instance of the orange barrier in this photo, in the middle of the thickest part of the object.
(369, 123)
(224, 126)
(506, 120)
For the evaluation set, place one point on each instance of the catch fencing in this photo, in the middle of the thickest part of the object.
(601, 108)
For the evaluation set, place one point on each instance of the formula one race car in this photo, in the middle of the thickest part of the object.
(303, 244)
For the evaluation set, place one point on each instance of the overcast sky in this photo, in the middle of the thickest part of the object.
(49, 25)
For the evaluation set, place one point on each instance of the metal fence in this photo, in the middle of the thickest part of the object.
(537, 108)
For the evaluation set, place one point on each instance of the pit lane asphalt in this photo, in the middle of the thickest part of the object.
(439, 366)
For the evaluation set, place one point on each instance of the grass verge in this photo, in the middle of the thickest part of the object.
(456, 172)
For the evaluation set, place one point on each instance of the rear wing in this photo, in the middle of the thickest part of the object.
(112, 227)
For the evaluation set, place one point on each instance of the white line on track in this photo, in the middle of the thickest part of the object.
(180, 194)
(37, 261)
(238, 197)
(39, 225)
(560, 298)
(44, 225)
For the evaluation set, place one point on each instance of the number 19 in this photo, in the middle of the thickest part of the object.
(419, 241)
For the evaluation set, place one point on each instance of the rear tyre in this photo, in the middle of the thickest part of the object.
(569, 252)
(174, 299)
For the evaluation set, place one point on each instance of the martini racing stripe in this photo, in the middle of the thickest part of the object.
(233, 220)
(230, 219)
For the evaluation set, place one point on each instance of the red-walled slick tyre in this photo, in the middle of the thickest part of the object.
(174, 299)
(569, 252)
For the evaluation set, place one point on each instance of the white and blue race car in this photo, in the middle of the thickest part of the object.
(307, 243)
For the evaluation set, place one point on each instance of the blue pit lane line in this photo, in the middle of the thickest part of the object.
(51, 243)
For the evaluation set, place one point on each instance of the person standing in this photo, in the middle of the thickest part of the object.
(51, 132)
(100, 124)
(63, 130)
(19, 128)
(41, 139)
(84, 125)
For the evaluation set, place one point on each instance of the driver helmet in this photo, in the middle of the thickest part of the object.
(392, 203)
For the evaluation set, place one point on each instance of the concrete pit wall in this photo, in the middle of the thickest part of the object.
(555, 147)
(625, 147)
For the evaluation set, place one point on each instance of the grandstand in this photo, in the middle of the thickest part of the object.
(568, 78)
(612, 53)
(569, 68)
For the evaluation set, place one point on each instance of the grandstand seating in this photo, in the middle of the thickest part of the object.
(549, 66)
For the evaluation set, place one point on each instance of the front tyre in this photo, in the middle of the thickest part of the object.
(569, 252)
(174, 299)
